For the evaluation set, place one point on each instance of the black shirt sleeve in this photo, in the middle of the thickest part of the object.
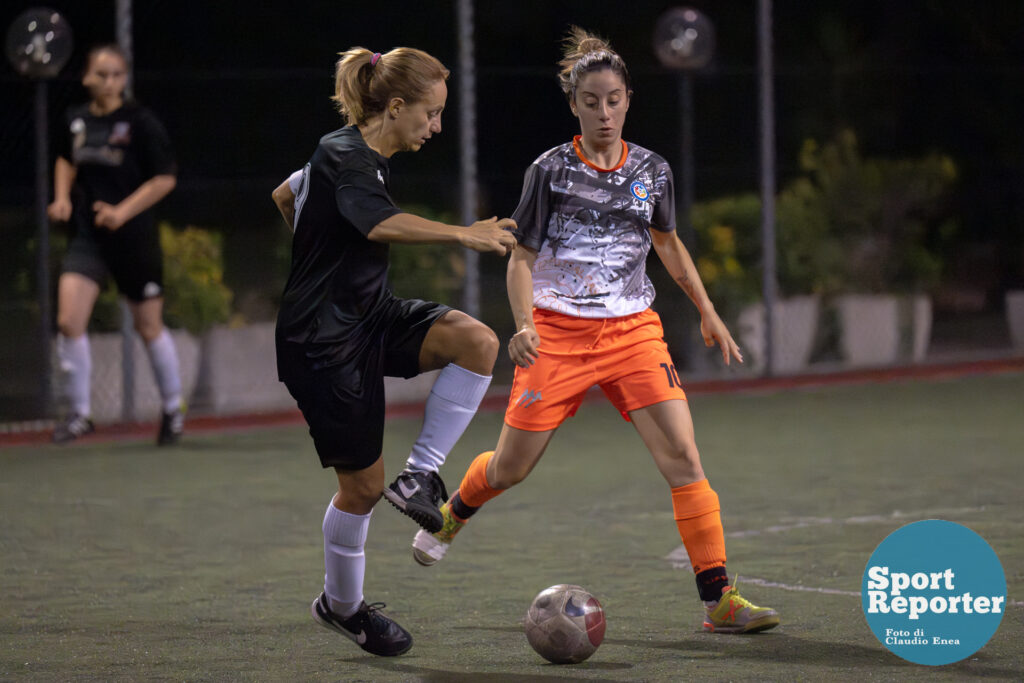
(664, 218)
(361, 196)
(62, 138)
(156, 155)
(531, 216)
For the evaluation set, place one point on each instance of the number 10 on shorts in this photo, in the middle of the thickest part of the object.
(670, 374)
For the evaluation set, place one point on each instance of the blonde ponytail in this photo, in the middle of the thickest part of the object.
(364, 81)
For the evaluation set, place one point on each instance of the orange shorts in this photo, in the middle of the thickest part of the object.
(627, 357)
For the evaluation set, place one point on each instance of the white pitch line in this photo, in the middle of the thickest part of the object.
(681, 560)
(804, 522)
(790, 587)
(830, 591)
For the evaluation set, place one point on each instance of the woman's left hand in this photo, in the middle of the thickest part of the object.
(714, 330)
(108, 215)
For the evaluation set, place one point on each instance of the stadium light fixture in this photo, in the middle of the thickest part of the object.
(684, 42)
(39, 44)
(684, 39)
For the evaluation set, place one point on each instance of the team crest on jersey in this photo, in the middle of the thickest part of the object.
(639, 191)
(121, 133)
(78, 131)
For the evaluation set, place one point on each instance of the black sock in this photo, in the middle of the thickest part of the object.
(711, 583)
(459, 508)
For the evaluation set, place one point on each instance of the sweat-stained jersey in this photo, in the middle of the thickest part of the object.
(590, 229)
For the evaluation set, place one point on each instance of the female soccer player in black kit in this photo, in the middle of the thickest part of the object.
(114, 163)
(340, 331)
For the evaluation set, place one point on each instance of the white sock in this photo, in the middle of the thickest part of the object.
(164, 359)
(76, 365)
(452, 403)
(344, 561)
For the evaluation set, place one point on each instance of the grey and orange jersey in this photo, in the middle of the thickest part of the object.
(590, 227)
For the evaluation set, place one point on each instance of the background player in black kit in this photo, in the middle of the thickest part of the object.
(340, 331)
(114, 163)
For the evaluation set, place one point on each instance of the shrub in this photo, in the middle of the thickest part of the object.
(195, 296)
(889, 216)
(427, 271)
(728, 246)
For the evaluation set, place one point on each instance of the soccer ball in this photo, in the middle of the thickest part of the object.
(565, 624)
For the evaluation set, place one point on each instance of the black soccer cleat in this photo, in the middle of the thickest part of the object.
(367, 628)
(419, 495)
(172, 425)
(73, 427)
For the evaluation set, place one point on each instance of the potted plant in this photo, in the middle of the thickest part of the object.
(729, 235)
(195, 299)
(1014, 303)
(889, 219)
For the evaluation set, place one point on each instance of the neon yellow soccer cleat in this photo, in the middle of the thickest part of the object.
(428, 548)
(736, 614)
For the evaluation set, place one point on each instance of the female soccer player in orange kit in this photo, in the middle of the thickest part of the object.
(589, 213)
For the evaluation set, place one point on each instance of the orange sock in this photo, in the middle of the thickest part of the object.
(474, 489)
(696, 510)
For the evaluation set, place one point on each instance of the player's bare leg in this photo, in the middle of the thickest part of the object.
(147, 317)
(76, 296)
(667, 430)
(464, 349)
(517, 453)
(341, 607)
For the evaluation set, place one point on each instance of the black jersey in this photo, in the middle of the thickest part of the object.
(338, 276)
(113, 155)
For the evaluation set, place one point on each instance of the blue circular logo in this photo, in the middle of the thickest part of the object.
(933, 592)
(639, 190)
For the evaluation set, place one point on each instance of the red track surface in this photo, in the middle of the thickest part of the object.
(497, 402)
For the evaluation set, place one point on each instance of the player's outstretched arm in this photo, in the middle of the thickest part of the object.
(284, 199)
(491, 235)
(679, 263)
(522, 347)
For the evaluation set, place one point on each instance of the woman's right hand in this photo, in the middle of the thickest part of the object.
(59, 210)
(491, 235)
(523, 346)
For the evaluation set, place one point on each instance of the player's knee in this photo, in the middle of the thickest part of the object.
(684, 462)
(359, 495)
(481, 338)
(479, 348)
(67, 326)
(147, 329)
(688, 456)
(487, 342)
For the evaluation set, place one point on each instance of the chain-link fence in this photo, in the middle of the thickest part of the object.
(241, 123)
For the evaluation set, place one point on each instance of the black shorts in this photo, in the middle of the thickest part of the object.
(132, 255)
(343, 402)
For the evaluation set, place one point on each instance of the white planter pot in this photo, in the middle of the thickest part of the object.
(239, 371)
(1015, 316)
(239, 374)
(794, 327)
(883, 329)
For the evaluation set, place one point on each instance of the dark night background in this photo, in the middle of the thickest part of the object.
(243, 89)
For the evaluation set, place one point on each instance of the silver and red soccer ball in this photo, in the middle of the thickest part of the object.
(565, 624)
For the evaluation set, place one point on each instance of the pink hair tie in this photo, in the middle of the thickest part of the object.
(374, 59)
